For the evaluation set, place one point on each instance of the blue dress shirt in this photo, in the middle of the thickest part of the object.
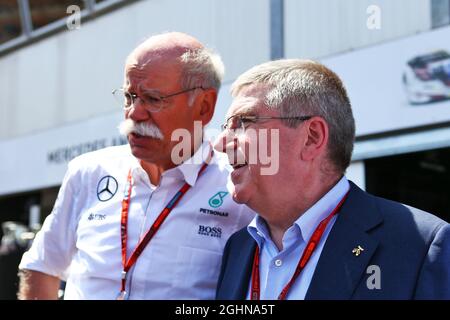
(277, 267)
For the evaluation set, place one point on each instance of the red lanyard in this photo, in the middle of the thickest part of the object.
(307, 253)
(127, 264)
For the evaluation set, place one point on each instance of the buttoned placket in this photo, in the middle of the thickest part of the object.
(171, 180)
(278, 260)
(176, 176)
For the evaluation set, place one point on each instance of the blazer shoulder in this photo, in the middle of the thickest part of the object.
(393, 223)
(424, 223)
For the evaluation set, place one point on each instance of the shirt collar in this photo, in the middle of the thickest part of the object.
(191, 167)
(258, 229)
(188, 170)
(308, 221)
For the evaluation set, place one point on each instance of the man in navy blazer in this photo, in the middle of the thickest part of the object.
(317, 235)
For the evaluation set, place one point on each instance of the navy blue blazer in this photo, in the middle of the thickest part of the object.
(411, 247)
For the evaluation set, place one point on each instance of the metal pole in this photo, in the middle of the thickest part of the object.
(440, 13)
(89, 4)
(25, 17)
(276, 29)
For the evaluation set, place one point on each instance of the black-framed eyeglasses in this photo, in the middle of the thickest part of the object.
(240, 122)
(152, 102)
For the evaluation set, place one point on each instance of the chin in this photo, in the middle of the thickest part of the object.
(136, 150)
(141, 153)
(240, 196)
(237, 199)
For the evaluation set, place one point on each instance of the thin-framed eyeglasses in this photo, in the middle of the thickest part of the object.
(240, 122)
(151, 102)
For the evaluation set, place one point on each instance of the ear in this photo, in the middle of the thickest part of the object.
(316, 138)
(207, 105)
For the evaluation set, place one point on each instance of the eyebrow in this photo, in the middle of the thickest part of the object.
(151, 92)
(247, 107)
(144, 90)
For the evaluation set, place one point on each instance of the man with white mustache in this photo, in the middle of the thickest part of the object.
(133, 222)
(150, 130)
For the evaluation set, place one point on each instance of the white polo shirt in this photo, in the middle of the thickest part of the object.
(80, 240)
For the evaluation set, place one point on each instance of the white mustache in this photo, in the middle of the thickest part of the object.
(141, 128)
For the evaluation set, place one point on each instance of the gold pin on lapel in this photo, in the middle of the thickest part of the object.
(357, 251)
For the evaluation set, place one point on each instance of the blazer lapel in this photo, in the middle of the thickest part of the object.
(339, 270)
(242, 268)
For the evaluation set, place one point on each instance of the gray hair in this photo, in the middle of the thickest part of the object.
(302, 88)
(201, 68)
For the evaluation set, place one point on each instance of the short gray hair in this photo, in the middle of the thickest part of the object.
(302, 88)
(201, 68)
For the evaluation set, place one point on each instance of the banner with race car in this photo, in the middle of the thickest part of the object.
(399, 84)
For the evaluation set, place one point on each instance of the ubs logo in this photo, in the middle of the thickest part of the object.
(106, 188)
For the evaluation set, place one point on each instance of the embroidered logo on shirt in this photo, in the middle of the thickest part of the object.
(215, 232)
(213, 212)
(106, 188)
(217, 199)
(96, 216)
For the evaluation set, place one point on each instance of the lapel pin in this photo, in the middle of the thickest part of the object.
(357, 251)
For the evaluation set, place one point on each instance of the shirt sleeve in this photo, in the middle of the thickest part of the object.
(54, 245)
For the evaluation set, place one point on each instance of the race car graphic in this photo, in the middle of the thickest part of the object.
(427, 78)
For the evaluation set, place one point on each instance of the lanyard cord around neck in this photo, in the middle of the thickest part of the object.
(307, 253)
(128, 263)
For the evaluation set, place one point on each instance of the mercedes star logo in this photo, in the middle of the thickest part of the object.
(106, 188)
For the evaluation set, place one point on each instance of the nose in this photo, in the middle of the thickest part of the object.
(220, 142)
(137, 112)
(227, 143)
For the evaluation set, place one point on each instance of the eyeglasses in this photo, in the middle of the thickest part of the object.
(151, 102)
(240, 122)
